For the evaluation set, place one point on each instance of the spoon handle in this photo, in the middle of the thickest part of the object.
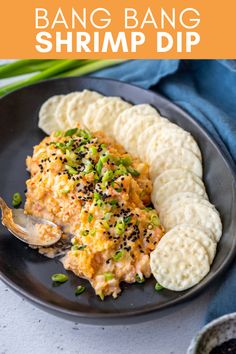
(7, 220)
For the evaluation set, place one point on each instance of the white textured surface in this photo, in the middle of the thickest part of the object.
(24, 329)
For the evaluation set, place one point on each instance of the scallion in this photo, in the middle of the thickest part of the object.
(59, 278)
(71, 132)
(108, 276)
(158, 287)
(79, 290)
(118, 255)
(16, 199)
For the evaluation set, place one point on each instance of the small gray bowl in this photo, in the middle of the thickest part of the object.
(214, 333)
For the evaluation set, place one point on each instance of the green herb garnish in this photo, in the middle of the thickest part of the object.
(158, 287)
(120, 227)
(99, 167)
(139, 279)
(108, 276)
(104, 158)
(79, 290)
(117, 256)
(133, 172)
(85, 232)
(113, 202)
(108, 175)
(93, 150)
(127, 219)
(90, 217)
(71, 170)
(121, 171)
(107, 216)
(125, 161)
(66, 190)
(101, 296)
(71, 132)
(16, 200)
(155, 220)
(59, 278)
(84, 134)
(82, 247)
(58, 133)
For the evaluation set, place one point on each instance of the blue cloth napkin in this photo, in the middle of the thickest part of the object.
(206, 89)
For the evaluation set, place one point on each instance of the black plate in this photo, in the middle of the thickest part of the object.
(27, 272)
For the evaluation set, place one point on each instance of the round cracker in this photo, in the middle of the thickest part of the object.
(196, 234)
(180, 263)
(47, 114)
(146, 136)
(195, 214)
(175, 158)
(171, 136)
(93, 111)
(179, 199)
(61, 111)
(78, 106)
(139, 110)
(174, 174)
(134, 128)
(107, 115)
(160, 195)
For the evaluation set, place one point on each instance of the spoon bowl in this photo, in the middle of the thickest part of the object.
(24, 226)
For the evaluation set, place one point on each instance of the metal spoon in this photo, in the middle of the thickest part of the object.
(23, 226)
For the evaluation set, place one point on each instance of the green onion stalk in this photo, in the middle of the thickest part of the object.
(49, 69)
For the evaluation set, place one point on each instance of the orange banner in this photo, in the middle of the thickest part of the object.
(117, 29)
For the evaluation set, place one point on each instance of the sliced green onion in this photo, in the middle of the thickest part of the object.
(139, 279)
(125, 161)
(84, 134)
(120, 227)
(121, 171)
(105, 224)
(93, 150)
(101, 296)
(58, 133)
(99, 167)
(104, 158)
(133, 172)
(59, 278)
(158, 287)
(61, 146)
(113, 203)
(118, 255)
(90, 217)
(148, 209)
(97, 196)
(103, 146)
(108, 276)
(66, 190)
(79, 290)
(71, 132)
(82, 247)
(16, 199)
(71, 170)
(93, 232)
(108, 176)
(88, 167)
(85, 232)
(155, 220)
(107, 216)
(74, 248)
(127, 219)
